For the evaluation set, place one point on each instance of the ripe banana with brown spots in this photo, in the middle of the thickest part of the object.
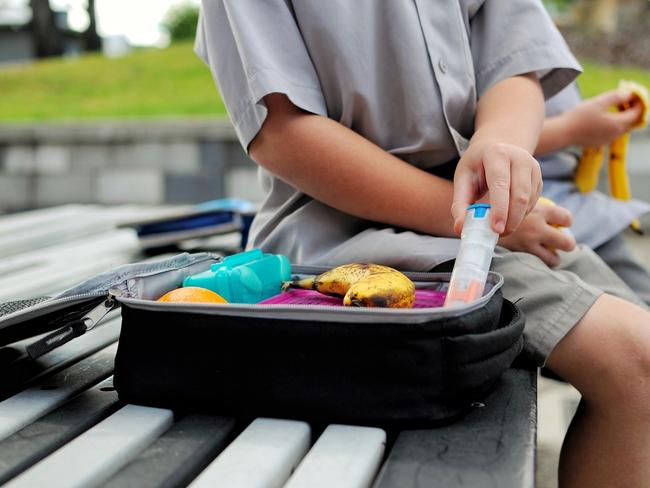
(362, 285)
(619, 182)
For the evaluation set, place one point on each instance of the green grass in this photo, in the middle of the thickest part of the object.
(598, 78)
(158, 83)
(146, 83)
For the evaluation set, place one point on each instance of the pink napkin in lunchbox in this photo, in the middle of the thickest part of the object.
(423, 299)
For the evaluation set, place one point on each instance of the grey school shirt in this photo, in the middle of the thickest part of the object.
(597, 218)
(405, 74)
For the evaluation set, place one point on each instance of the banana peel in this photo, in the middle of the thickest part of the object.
(362, 285)
(588, 171)
(591, 161)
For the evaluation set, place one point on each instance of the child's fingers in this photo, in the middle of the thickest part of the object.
(558, 240)
(549, 257)
(496, 164)
(537, 182)
(465, 194)
(627, 118)
(521, 187)
(612, 98)
(556, 215)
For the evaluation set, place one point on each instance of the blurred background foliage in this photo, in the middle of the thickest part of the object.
(181, 21)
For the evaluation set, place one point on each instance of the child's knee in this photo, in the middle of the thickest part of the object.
(622, 372)
(607, 355)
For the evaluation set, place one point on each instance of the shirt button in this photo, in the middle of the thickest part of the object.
(442, 65)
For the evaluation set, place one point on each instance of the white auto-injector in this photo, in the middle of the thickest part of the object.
(477, 241)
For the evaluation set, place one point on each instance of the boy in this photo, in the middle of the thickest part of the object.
(351, 108)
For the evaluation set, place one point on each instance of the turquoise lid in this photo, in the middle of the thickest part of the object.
(480, 209)
(247, 277)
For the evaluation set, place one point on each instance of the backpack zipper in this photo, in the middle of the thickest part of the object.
(75, 328)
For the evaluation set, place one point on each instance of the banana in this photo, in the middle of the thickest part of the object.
(619, 183)
(546, 201)
(588, 170)
(362, 285)
(591, 160)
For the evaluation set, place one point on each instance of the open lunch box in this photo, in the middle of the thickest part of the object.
(315, 362)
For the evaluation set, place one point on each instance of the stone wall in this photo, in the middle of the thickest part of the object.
(153, 162)
(15, 45)
(176, 161)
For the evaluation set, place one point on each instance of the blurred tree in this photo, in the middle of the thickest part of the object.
(597, 15)
(48, 40)
(181, 22)
(92, 41)
(49, 36)
(602, 16)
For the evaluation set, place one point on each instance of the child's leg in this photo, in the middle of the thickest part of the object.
(601, 345)
(606, 356)
(618, 257)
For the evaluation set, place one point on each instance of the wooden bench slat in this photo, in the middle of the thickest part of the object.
(493, 446)
(19, 372)
(263, 456)
(20, 221)
(96, 454)
(42, 437)
(179, 455)
(114, 242)
(65, 227)
(343, 456)
(51, 392)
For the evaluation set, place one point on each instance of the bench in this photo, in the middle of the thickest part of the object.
(61, 424)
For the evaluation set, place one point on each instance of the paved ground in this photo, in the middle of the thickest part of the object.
(557, 401)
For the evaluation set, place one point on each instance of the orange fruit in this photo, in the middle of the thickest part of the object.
(192, 294)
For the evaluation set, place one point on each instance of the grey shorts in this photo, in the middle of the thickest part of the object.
(555, 299)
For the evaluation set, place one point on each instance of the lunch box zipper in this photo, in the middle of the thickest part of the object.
(75, 328)
(120, 293)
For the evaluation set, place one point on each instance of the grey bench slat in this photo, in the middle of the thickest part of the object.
(179, 455)
(263, 456)
(98, 453)
(53, 391)
(344, 456)
(493, 446)
(19, 372)
(42, 437)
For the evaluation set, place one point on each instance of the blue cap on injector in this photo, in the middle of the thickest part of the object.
(480, 209)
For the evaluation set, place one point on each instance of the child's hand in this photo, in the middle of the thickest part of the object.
(510, 175)
(592, 124)
(537, 234)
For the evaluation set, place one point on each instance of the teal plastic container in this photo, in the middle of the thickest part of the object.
(247, 277)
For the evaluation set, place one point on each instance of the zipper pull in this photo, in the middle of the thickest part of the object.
(75, 328)
(95, 316)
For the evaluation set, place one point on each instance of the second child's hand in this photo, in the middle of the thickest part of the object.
(540, 234)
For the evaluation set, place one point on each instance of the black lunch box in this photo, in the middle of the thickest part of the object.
(331, 364)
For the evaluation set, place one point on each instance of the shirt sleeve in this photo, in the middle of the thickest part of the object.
(253, 49)
(513, 37)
